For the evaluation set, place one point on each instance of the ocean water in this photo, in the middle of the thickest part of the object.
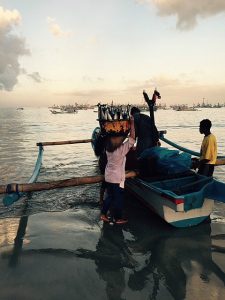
(52, 244)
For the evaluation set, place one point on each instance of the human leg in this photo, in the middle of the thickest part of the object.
(206, 170)
(102, 193)
(118, 201)
(108, 199)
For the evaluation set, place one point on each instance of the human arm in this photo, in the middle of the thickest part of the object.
(196, 163)
(131, 139)
(132, 129)
(156, 136)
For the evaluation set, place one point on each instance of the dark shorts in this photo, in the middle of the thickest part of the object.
(206, 170)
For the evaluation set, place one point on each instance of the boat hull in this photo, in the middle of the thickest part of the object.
(171, 211)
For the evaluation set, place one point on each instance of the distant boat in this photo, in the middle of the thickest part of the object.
(55, 112)
(65, 111)
(20, 108)
(183, 107)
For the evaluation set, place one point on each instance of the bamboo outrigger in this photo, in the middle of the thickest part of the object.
(64, 142)
(41, 186)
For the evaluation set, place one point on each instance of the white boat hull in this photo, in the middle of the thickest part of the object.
(172, 213)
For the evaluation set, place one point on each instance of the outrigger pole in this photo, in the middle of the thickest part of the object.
(64, 142)
(40, 186)
(220, 159)
(13, 196)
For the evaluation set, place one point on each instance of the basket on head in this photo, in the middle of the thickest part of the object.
(115, 127)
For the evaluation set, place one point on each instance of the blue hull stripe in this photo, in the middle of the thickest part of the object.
(189, 222)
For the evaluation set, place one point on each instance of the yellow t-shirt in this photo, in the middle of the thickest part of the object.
(209, 149)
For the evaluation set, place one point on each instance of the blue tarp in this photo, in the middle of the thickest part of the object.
(168, 161)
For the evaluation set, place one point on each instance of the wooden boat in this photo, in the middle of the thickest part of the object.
(181, 201)
(54, 112)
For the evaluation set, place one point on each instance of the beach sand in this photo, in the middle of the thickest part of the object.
(72, 255)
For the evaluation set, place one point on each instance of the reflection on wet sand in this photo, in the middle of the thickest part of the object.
(112, 255)
(172, 257)
(18, 242)
(146, 259)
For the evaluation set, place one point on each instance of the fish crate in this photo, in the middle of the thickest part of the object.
(115, 127)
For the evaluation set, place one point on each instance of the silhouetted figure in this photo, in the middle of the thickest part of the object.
(208, 153)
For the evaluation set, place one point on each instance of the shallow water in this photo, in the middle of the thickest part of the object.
(52, 245)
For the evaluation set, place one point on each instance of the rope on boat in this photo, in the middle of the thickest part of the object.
(15, 196)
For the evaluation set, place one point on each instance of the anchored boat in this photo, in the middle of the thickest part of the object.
(181, 199)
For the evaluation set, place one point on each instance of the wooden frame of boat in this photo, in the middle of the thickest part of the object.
(171, 207)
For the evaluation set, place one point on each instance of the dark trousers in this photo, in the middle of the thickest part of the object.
(206, 170)
(114, 200)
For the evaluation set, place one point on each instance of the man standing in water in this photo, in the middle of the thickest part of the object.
(208, 153)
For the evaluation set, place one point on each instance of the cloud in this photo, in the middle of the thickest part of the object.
(88, 79)
(8, 18)
(56, 30)
(187, 12)
(35, 76)
(11, 48)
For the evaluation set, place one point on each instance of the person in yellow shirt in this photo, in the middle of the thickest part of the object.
(208, 153)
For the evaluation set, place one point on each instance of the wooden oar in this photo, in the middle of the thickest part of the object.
(63, 142)
(39, 186)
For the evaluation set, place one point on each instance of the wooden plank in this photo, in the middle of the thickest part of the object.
(64, 142)
(220, 162)
(40, 186)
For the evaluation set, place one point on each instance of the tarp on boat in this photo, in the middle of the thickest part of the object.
(168, 161)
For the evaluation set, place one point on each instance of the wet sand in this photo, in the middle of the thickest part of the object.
(72, 255)
(52, 245)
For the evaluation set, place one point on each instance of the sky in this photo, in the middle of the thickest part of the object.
(90, 51)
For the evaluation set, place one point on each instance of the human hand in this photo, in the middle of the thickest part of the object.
(195, 163)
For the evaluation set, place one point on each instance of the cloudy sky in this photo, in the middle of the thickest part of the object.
(87, 51)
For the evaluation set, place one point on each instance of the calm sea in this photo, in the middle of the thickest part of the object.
(52, 245)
